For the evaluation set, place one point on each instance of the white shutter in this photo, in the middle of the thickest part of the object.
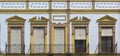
(59, 40)
(80, 33)
(38, 40)
(106, 31)
(15, 40)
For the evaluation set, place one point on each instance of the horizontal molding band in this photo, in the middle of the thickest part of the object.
(59, 11)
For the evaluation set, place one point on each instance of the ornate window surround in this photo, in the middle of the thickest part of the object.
(83, 23)
(52, 28)
(35, 22)
(107, 22)
(16, 21)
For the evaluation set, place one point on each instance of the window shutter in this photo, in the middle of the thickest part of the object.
(15, 40)
(59, 36)
(80, 33)
(106, 31)
(38, 40)
(59, 40)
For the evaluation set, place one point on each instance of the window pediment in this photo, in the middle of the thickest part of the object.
(16, 19)
(107, 20)
(82, 21)
(41, 20)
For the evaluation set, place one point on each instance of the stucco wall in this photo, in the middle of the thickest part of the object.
(93, 29)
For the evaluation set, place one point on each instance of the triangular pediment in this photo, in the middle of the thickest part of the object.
(107, 18)
(83, 19)
(80, 21)
(35, 19)
(16, 19)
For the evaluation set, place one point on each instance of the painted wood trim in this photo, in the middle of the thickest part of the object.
(73, 43)
(52, 40)
(66, 40)
(87, 40)
(31, 44)
(46, 42)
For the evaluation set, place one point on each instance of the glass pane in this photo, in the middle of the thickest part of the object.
(80, 46)
(107, 44)
(103, 42)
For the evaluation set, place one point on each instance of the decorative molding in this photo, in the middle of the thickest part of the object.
(78, 21)
(12, 5)
(59, 5)
(6, 11)
(16, 20)
(81, 22)
(107, 5)
(38, 5)
(59, 18)
(41, 20)
(38, 22)
(106, 20)
(80, 5)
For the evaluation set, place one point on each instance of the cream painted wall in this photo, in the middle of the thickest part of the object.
(93, 29)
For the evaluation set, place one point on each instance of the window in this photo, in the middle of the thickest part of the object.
(39, 40)
(59, 40)
(15, 35)
(80, 46)
(107, 40)
(80, 40)
(15, 40)
(107, 44)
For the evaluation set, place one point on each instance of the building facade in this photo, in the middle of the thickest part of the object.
(60, 27)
